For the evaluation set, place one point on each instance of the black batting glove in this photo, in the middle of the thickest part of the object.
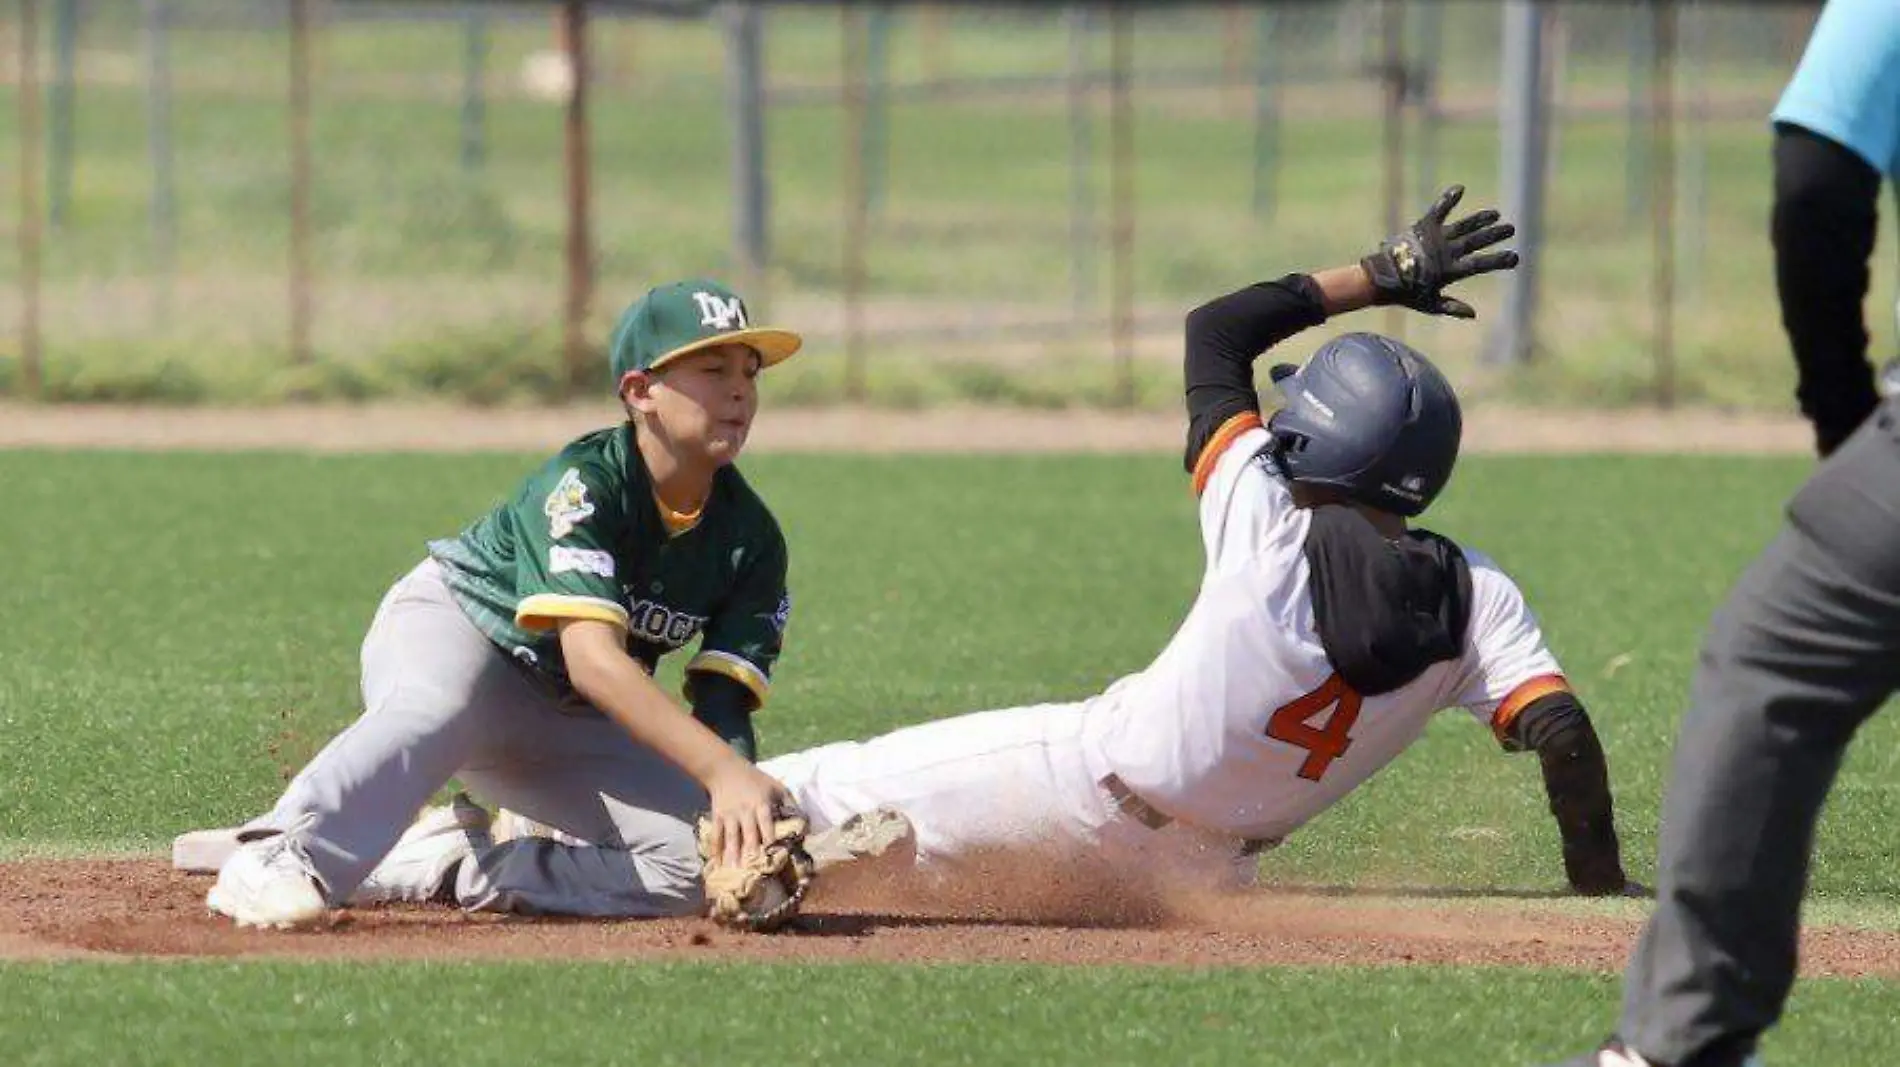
(1412, 268)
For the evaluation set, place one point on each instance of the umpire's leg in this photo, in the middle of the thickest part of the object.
(1802, 653)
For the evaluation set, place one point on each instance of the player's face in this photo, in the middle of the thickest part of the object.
(705, 402)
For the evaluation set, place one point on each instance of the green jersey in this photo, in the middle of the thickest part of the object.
(584, 538)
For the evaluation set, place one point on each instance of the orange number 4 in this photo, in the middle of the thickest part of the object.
(1325, 740)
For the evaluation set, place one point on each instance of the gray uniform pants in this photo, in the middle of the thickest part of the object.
(1804, 650)
(440, 700)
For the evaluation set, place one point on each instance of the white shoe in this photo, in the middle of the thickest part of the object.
(512, 826)
(425, 857)
(878, 834)
(268, 883)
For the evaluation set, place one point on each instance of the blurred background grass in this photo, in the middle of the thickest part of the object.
(437, 274)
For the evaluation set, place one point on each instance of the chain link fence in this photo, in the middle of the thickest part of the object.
(240, 200)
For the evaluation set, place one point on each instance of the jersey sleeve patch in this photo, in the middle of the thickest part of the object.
(1526, 694)
(734, 667)
(567, 505)
(543, 611)
(563, 559)
(1216, 445)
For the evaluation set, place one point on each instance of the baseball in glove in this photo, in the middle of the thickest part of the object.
(765, 890)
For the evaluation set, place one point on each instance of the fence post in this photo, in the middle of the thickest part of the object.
(1392, 69)
(580, 243)
(474, 96)
(32, 378)
(1636, 162)
(1693, 189)
(1266, 113)
(1524, 109)
(745, 92)
(158, 136)
(1662, 200)
(300, 280)
(851, 25)
(877, 106)
(933, 36)
(1122, 198)
(1431, 47)
(59, 178)
(1081, 163)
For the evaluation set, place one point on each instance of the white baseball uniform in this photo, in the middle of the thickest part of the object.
(1240, 731)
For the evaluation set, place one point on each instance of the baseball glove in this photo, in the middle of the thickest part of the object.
(764, 891)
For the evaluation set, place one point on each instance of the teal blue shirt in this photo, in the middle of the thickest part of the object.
(1847, 87)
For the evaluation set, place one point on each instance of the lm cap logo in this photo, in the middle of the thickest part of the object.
(720, 313)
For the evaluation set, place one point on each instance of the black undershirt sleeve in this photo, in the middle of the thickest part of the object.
(1824, 221)
(1225, 336)
(1577, 780)
(725, 707)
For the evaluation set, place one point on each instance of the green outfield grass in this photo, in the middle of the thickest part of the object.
(690, 1015)
(179, 628)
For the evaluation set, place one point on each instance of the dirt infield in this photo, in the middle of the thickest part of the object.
(106, 909)
(385, 428)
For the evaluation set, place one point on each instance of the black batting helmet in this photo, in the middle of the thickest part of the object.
(1370, 417)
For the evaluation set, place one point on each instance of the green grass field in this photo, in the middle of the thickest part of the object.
(430, 277)
(177, 627)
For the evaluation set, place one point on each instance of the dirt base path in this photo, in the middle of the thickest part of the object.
(383, 428)
(141, 908)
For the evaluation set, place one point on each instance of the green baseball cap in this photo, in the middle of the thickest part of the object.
(686, 317)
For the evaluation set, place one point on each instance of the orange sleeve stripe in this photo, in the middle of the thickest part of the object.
(1523, 697)
(1232, 428)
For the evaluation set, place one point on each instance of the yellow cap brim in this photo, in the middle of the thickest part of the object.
(773, 346)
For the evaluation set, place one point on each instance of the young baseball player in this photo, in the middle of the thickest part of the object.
(1325, 634)
(518, 656)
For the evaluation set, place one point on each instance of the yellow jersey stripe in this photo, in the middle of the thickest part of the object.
(735, 668)
(543, 610)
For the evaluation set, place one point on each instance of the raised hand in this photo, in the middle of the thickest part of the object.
(1412, 268)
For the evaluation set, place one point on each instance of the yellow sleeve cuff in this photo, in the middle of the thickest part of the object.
(735, 668)
(543, 610)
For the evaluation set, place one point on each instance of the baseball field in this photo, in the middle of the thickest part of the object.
(180, 631)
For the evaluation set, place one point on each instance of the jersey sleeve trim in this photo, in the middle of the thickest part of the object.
(1210, 456)
(737, 668)
(1526, 694)
(543, 610)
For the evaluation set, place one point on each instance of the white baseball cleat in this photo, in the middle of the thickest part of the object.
(878, 834)
(268, 883)
(424, 859)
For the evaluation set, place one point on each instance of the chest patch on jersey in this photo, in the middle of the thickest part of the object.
(653, 621)
(1385, 610)
(567, 506)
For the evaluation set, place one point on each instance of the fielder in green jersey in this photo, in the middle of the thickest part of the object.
(585, 537)
(518, 657)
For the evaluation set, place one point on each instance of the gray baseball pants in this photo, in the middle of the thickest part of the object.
(1805, 649)
(441, 700)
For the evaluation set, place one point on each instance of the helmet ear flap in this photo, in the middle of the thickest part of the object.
(1284, 442)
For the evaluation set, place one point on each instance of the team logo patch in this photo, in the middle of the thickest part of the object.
(783, 613)
(568, 506)
(562, 559)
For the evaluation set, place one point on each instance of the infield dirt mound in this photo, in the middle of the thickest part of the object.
(141, 908)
